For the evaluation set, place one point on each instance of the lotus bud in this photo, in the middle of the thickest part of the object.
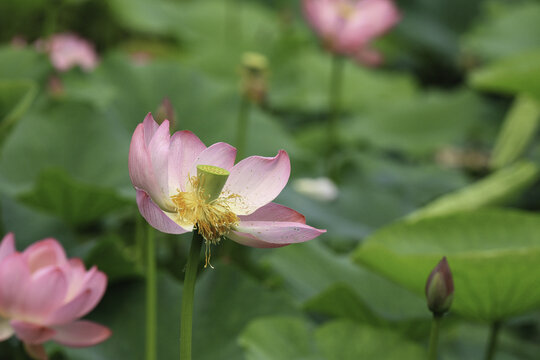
(254, 77)
(440, 288)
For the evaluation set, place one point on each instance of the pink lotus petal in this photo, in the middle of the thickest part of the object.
(47, 252)
(43, 293)
(141, 170)
(258, 180)
(36, 351)
(159, 152)
(14, 276)
(155, 216)
(69, 312)
(7, 247)
(69, 50)
(273, 233)
(219, 154)
(150, 127)
(32, 333)
(76, 273)
(275, 212)
(250, 240)
(96, 282)
(184, 150)
(6, 331)
(322, 16)
(81, 333)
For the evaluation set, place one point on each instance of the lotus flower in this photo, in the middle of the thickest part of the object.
(69, 50)
(347, 27)
(43, 294)
(163, 170)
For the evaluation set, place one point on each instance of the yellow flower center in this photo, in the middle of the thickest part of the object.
(204, 206)
(345, 9)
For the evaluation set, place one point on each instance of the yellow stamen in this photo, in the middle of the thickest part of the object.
(213, 219)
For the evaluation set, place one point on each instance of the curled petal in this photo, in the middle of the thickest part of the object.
(96, 282)
(219, 154)
(70, 311)
(158, 148)
(141, 170)
(273, 233)
(155, 216)
(150, 126)
(32, 333)
(7, 247)
(275, 212)
(47, 252)
(184, 150)
(257, 180)
(81, 333)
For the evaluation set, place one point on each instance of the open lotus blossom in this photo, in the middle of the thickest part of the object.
(347, 27)
(171, 194)
(68, 50)
(43, 294)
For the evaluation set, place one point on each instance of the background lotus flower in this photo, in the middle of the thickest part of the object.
(43, 294)
(162, 169)
(69, 50)
(347, 26)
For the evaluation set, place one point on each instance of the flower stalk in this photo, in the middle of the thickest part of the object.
(188, 292)
(334, 103)
(434, 336)
(151, 295)
(493, 338)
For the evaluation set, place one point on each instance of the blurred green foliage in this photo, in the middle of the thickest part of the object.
(447, 125)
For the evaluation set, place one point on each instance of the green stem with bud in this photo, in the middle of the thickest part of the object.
(151, 295)
(188, 292)
(493, 338)
(334, 96)
(242, 129)
(434, 336)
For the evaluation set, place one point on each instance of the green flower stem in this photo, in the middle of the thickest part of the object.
(151, 295)
(434, 336)
(334, 96)
(242, 129)
(493, 337)
(187, 295)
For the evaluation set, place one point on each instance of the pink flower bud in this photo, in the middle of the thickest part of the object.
(69, 50)
(43, 294)
(440, 288)
(347, 27)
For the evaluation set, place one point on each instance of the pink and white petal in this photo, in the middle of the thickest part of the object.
(251, 241)
(6, 331)
(32, 333)
(278, 233)
(76, 273)
(219, 154)
(184, 150)
(14, 276)
(323, 16)
(36, 351)
(45, 292)
(159, 156)
(141, 170)
(7, 246)
(96, 282)
(257, 180)
(70, 311)
(274, 212)
(156, 217)
(150, 126)
(81, 333)
(46, 252)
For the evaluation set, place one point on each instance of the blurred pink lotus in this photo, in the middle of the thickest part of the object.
(69, 50)
(347, 27)
(163, 168)
(43, 294)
